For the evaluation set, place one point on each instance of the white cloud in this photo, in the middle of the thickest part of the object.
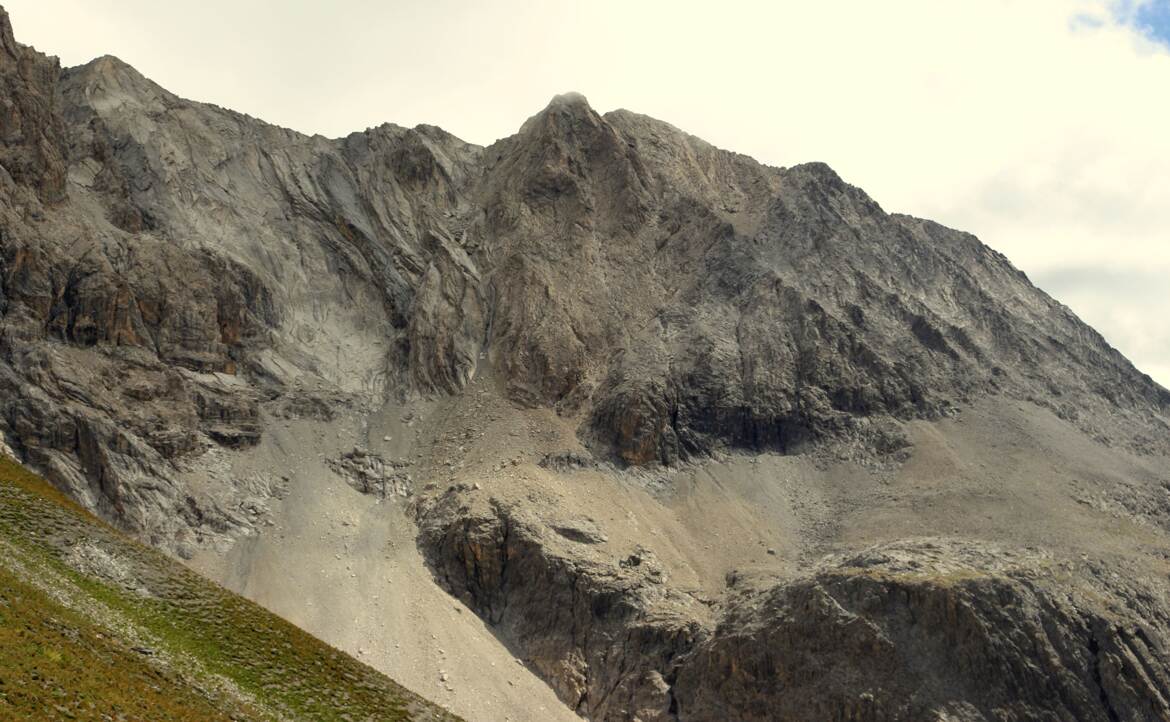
(1130, 302)
(1038, 125)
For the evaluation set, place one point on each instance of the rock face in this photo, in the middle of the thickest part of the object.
(931, 632)
(371, 474)
(599, 633)
(30, 131)
(174, 277)
(918, 630)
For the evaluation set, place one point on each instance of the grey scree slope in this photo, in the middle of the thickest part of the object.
(698, 438)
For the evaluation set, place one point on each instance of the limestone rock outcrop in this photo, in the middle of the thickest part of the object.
(925, 629)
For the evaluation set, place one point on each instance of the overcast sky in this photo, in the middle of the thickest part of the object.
(1043, 126)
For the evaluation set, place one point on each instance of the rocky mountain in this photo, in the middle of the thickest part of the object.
(696, 437)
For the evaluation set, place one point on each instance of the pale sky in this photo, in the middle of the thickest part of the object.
(1042, 126)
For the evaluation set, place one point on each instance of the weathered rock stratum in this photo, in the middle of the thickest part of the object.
(697, 437)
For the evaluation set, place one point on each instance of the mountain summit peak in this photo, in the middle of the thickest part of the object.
(571, 99)
(564, 111)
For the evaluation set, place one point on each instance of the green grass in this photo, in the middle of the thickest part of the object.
(212, 654)
(58, 665)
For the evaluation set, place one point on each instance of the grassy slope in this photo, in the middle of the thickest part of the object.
(135, 635)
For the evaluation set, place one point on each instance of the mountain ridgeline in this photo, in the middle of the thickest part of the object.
(176, 279)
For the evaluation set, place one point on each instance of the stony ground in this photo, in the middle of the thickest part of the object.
(345, 566)
(1004, 498)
